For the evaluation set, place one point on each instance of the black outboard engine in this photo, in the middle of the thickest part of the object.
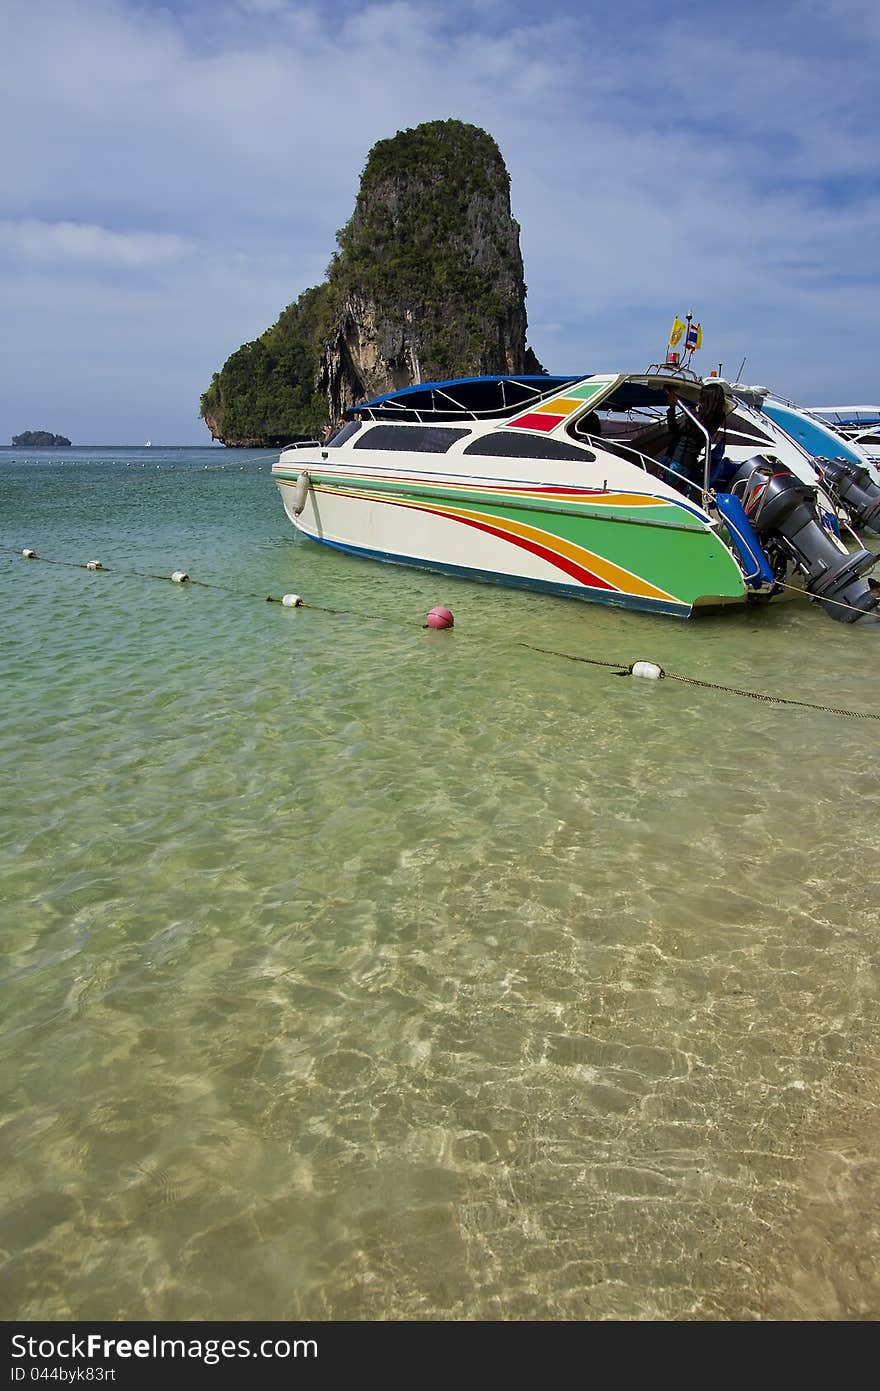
(855, 487)
(782, 510)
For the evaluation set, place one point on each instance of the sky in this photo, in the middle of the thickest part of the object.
(175, 175)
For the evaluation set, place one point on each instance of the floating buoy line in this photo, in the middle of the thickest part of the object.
(440, 618)
(288, 601)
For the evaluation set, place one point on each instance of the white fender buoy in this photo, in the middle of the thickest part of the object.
(94, 565)
(29, 554)
(291, 601)
(301, 492)
(180, 577)
(649, 670)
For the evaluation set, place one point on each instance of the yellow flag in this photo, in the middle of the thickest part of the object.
(699, 335)
(675, 332)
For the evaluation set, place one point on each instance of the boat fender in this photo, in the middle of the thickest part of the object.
(649, 670)
(291, 601)
(29, 554)
(301, 492)
(180, 577)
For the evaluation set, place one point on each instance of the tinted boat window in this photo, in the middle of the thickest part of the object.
(414, 439)
(346, 432)
(521, 445)
(742, 429)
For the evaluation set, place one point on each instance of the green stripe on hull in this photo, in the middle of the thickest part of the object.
(688, 563)
(665, 546)
(651, 513)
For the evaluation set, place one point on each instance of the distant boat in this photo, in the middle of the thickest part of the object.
(148, 444)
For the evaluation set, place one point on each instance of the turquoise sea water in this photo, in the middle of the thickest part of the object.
(353, 970)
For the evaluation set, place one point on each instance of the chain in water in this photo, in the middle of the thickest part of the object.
(620, 668)
(624, 670)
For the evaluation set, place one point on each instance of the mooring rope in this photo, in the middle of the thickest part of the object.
(624, 670)
(619, 668)
(817, 598)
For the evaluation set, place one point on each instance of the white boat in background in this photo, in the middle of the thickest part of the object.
(560, 484)
(821, 439)
(148, 444)
(860, 424)
(848, 473)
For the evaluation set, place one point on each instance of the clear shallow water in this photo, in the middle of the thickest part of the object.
(353, 970)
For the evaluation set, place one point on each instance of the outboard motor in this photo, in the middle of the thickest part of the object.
(856, 489)
(782, 510)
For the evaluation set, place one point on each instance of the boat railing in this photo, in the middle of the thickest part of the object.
(646, 462)
(694, 418)
(438, 415)
(444, 406)
(674, 371)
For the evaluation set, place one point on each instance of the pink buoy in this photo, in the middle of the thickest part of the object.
(440, 618)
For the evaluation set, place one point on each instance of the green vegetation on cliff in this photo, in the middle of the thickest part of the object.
(41, 438)
(265, 392)
(427, 282)
(423, 240)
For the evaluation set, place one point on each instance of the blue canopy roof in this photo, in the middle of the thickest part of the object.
(463, 396)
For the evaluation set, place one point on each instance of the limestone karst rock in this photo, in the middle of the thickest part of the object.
(427, 283)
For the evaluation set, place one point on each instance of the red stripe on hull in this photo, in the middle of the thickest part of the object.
(561, 562)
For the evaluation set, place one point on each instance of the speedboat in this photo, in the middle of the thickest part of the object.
(558, 483)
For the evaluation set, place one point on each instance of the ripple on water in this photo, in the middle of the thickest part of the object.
(355, 971)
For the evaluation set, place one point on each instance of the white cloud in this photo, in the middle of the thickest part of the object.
(68, 245)
(190, 165)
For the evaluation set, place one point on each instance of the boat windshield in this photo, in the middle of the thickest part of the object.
(635, 408)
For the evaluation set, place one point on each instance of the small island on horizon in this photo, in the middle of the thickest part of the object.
(39, 438)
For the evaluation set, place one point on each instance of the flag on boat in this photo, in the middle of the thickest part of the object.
(694, 338)
(675, 332)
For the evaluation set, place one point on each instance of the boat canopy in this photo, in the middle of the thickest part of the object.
(463, 397)
(475, 398)
(849, 415)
